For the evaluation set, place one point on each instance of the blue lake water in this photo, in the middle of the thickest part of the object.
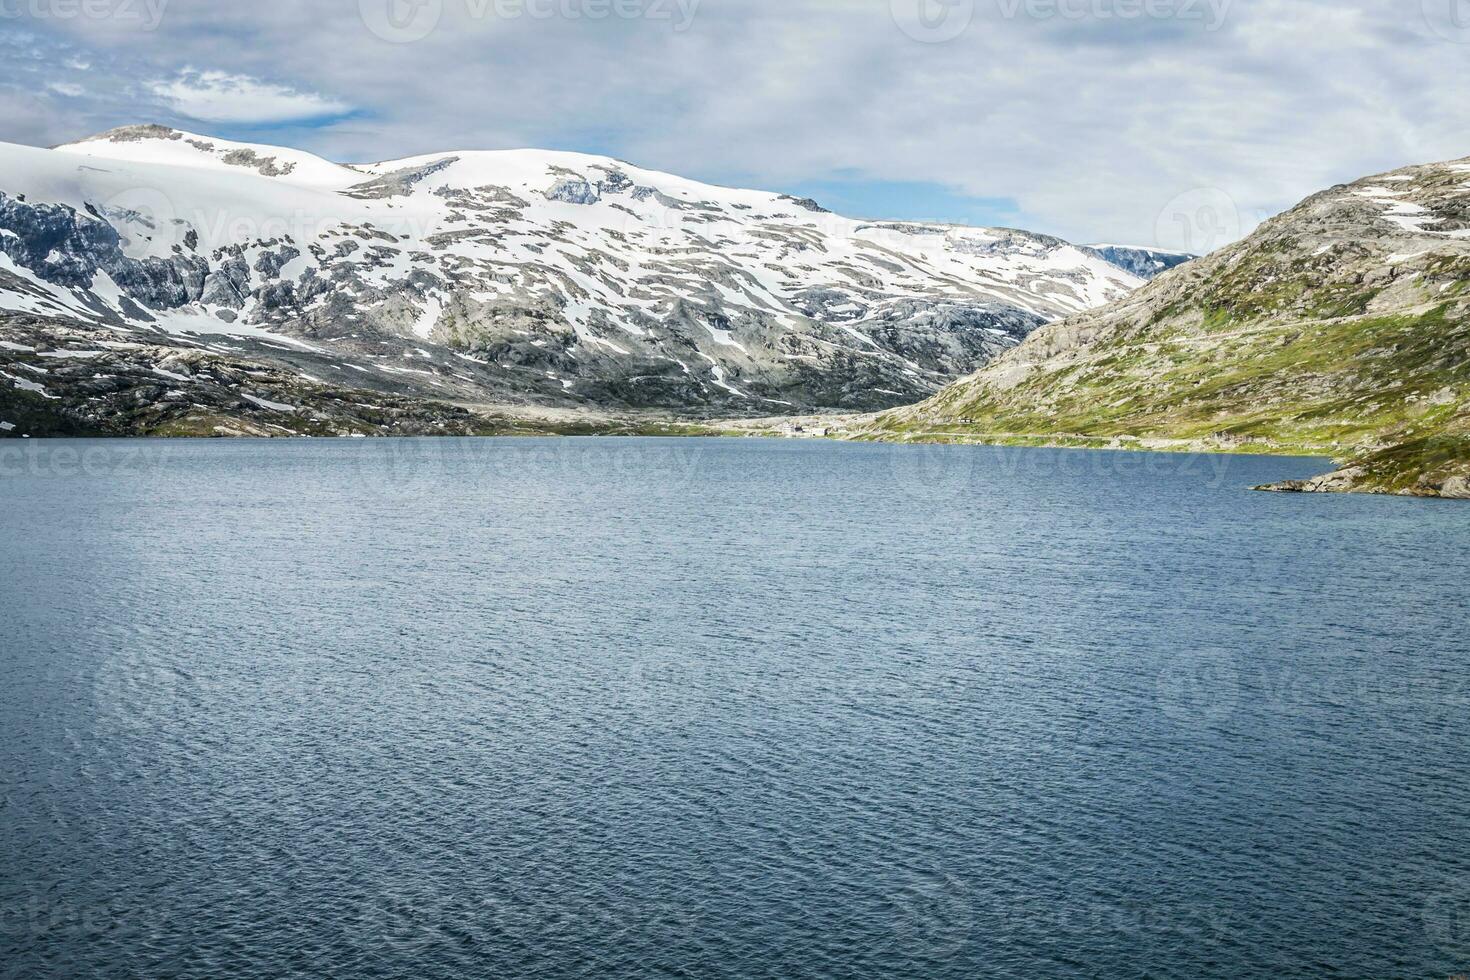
(643, 708)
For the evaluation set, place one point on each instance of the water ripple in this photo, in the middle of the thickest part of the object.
(590, 708)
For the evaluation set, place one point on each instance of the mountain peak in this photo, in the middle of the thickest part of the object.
(151, 143)
(133, 134)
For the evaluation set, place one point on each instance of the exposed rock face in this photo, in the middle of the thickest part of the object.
(572, 190)
(61, 246)
(1145, 263)
(138, 134)
(1341, 328)
(269, 264)
(266, 166)
(65, 378)
(398, 183)
(557, 279)
(806, 204)
(614, 181)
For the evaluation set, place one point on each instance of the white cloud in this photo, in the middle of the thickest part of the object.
(215, 96)
(1096, 126)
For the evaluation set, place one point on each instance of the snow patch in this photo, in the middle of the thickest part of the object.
(428, 318)
(726, 338)
(31, 386)
(273, 406)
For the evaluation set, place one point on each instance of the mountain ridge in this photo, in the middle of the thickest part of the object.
(541, 279)
(1340, 328)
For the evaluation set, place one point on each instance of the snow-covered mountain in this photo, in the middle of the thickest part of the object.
(523, 276)
(1145, 262)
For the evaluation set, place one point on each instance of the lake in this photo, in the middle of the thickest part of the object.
(738, 708)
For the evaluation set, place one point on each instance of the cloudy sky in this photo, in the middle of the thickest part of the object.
(1177, 123)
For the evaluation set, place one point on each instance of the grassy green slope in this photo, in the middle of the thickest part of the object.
(1334, 330)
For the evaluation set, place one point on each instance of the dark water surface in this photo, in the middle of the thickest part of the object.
(601, 708)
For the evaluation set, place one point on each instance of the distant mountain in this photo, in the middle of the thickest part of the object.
(1146, 263)
(1341, 328)
(521, 279)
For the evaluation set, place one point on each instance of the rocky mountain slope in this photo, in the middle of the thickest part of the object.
(1340, 328)
(521, 279)
(66, 378)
